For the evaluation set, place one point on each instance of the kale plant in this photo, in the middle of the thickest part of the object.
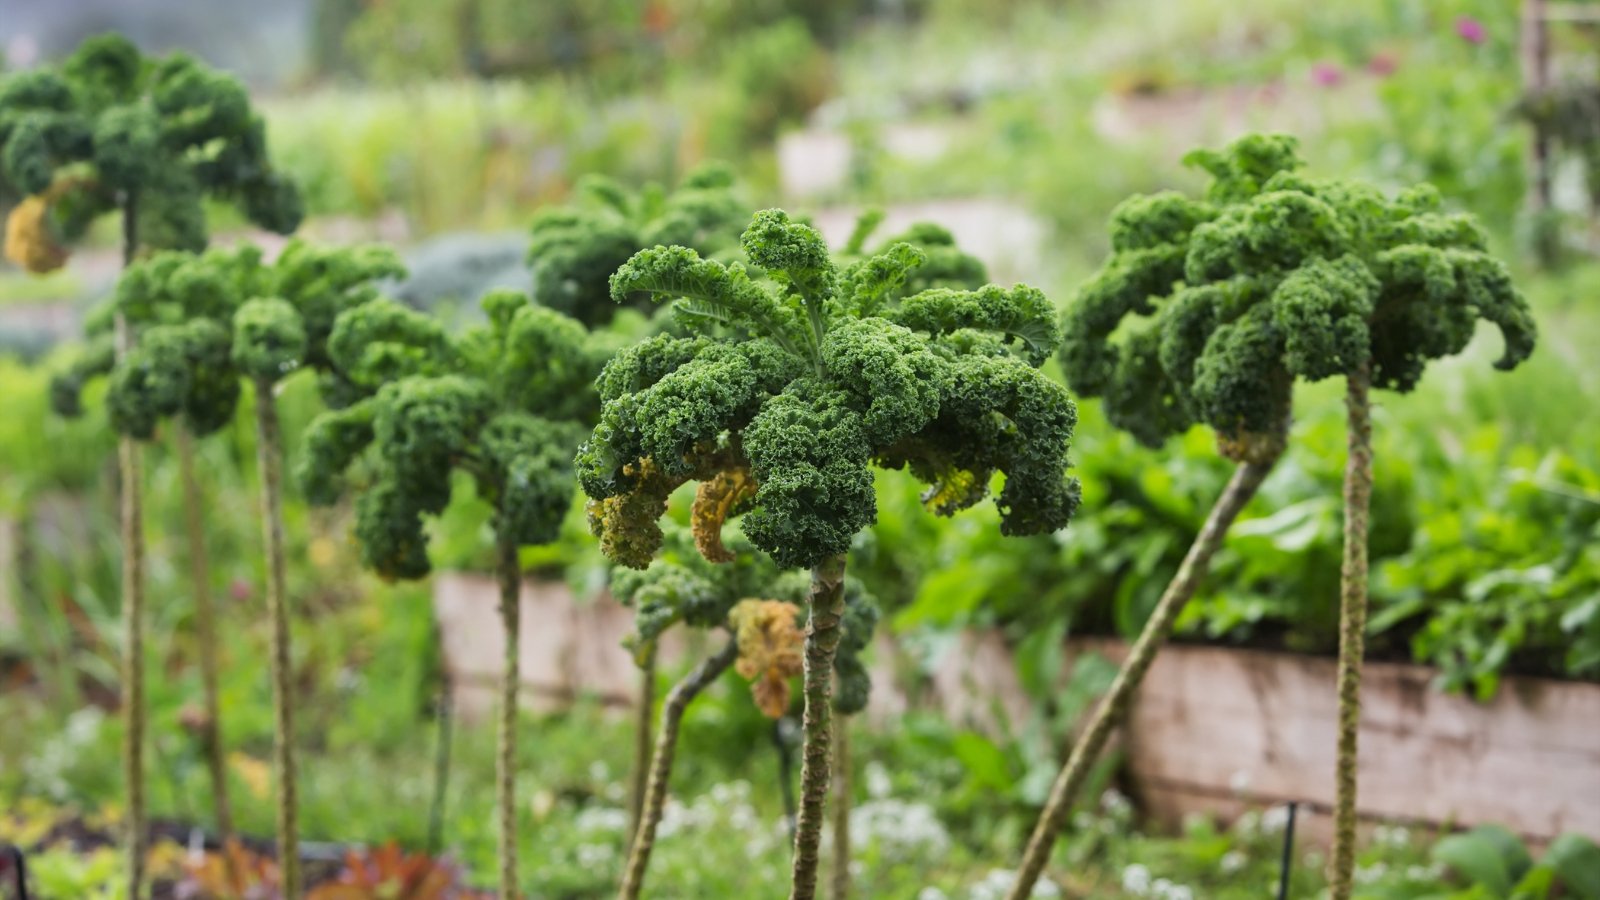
(575, 248)
(111, 131)
(505, 404)
(1273, 277)
(797, 377)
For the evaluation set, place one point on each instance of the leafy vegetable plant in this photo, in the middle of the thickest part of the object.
(178, 304)
(1284, 278)
(505, 404)
(113, 131)
(576, 247)
(215, 320)
(799, 377)
(708, 584)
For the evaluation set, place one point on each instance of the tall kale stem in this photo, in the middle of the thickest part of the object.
(206, 632)
(132, 522)
(1352, 626)
(841, 811)
(1114, 706)
(644, 720)
(509, 571)
(443, 714)
(655, 802)
(269, 451)
(822, 643)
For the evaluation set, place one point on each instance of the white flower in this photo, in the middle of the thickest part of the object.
(1163, 889)
(932, 893)
(1114, 803)
(1370, 874)
(1274, 820)
(879, 784)
(998, 882)
(601, 820)
(1239, 782)
(593, 856)
(1136, 879)
(1248, 824)
(900, 829)
(599, 771)
(1231, 862)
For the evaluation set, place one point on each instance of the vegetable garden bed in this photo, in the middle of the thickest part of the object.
(1215, 730)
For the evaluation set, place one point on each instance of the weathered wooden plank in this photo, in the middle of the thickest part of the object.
(570, 648)
(1260, 726)
(1214, 730)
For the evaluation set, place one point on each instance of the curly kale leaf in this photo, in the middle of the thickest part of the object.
(576, 248)
(269, 339)
(1276, 277)
(156, 137)
(333, 441)
(1021, 313)
(810, 377)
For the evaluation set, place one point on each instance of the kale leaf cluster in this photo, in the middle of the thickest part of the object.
(1209, 309)
(807, 372)
(110, 127)
(505, 402)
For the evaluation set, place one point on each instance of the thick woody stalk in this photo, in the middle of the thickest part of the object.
(205, 631)
(1352, 627)
(1114, 706)
(672, 711)
(269, 443)
(644, 720)
(841, 812)
(822, 643)
(132, 522)
(509, 571)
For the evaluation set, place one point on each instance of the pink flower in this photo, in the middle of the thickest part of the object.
(1326, 74)
(239, 590)
(1471, 30)
(1383, 64)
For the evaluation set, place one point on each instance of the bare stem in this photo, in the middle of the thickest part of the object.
(841, 811)
(509, 572)
(205, 631)
(822, 643)
(1114, 706)
(1352, 627)
(644, 720)
(132, 522)
(655, 803)
(269, 452)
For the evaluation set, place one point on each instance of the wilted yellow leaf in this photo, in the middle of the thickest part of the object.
(771, 650)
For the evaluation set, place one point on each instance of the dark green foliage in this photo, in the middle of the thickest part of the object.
(269, 339)
(66, 386)
(575, 248)
(682, 586)
(501, 402)
(175, 369)
(203, 321)
(808, 376)
(111, 127)
(852, 681)
(1208, 310)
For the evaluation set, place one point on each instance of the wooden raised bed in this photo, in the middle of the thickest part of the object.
(1214, 730)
